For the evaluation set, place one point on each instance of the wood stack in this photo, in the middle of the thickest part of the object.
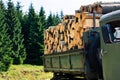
(68, 35)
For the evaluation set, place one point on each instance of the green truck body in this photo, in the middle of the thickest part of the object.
(67, 62)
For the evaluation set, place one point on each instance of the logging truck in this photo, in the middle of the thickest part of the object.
(86, 45)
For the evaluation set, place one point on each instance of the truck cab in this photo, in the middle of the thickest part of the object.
(110, 45)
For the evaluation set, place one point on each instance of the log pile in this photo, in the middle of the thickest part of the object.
(68, 34)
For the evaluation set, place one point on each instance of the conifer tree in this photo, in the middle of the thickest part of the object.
(56, 19)
(53, 20)
(34, 41)
(25, 30)
(35, 25)
(18, 50)
(61, 15)
(19, 12)
(42, 22)
(5, 42)
(50, 21)
(42, 17)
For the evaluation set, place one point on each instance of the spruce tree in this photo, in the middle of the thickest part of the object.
(34, 40)
(19, 12)
(18, 50)
(42, 21)
(53, 20)
(50, 21)
(42, 17)
(56, 19)
(61, 15)
(5, 42)
(25, 30)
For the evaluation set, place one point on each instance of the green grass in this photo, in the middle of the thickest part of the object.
(25, 72)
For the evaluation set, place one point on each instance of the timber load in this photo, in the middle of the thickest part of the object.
(68, 35)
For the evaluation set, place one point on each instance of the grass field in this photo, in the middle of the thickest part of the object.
(25, 72)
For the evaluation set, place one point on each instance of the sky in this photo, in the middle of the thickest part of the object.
(55, 6)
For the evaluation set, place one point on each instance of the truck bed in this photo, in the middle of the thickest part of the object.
(65, 62)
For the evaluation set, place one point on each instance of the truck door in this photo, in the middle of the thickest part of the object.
(110, 50)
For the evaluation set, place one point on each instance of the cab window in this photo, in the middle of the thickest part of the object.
(111, 32)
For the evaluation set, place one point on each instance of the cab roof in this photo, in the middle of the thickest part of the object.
(112, 16)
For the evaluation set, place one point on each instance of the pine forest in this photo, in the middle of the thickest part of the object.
(22, 34)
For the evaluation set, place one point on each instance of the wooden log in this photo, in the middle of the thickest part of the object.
(62, 43)
(71, 45)
(66, 39)
(86, 15)
(45, 49)
(70, 24)
(68, 33)
(83, 8)
(57, 28)
(55, 47)
(52, 28)
(97, 9)
(62, 28)
(65, 25)
(80, 46)
(89, 23)
(59, 48)
(90, 8)
(88, 20)
(57, 33)
(73, 26)
(65, 48)
(48, 49)
(72, 33)
(78, 14)
(61, 37)
(46, 34)
(78, 37)
(67, 17)
(78, 26)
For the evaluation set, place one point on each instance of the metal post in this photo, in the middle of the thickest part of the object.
(94, 19)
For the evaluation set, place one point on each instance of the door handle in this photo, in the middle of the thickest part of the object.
(103, 52)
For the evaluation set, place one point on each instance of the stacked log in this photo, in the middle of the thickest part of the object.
(68, 34)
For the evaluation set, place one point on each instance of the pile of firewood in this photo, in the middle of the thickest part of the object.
(68, 34)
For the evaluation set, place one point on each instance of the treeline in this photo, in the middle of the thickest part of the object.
(22, 35)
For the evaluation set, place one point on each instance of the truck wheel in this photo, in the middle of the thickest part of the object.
(57, 76)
